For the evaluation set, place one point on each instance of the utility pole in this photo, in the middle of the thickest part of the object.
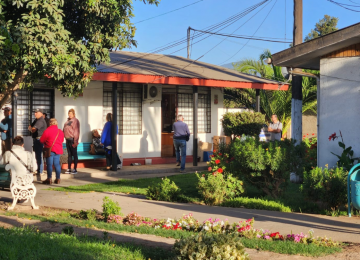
(296, 101)
(188, 42)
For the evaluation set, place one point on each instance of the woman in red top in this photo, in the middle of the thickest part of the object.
(54, 137)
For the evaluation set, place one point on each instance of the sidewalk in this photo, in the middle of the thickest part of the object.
(340, 228)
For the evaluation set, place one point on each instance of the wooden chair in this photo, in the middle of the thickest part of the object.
(21, 187)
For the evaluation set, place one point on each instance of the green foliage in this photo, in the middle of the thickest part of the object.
(207, 246)
(110, 207)
(324, 26)
(88, 214)
(310, 157)
(217, 187)
(240, 123)
(166, 190)
(254, 203)
(266, 165)
(326, 185)
(346, 159)
(68, 230)
(60, 41)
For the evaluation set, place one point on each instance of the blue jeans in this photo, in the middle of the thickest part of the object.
(38, 149)
(180, 145)
(54, 159)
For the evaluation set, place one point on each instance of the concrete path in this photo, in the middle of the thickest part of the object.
(338, 228)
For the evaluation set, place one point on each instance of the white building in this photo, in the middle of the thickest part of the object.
(152, 90)
(337, 56)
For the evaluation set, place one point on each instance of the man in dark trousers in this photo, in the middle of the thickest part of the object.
(181, 136)
(6, 130)
(37, 128)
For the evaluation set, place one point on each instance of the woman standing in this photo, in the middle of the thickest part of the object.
(106, 141)
(72, 132)
(52, 138)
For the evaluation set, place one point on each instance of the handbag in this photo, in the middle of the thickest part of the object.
(47, 151)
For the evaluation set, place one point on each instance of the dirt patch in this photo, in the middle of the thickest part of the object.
(351, 251)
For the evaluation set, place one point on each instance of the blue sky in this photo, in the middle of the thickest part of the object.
(156, 32)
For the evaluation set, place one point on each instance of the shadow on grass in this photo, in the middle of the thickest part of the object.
(26, 243)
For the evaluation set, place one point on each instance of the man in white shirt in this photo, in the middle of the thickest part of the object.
(275, 128)
(27, 157)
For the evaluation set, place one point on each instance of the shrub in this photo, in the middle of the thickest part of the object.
(253, 203)
(133, 219)
(310, 157)
(88, 214)
(115, 219)
(68, 230)
(216, 187)
(210, 246)
(266, 165)
(240, 123)
(110, 207)
(166, 190)
(327, 185)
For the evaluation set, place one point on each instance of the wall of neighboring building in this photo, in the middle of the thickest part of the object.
(309, 127)
(90, 113)
(339, 107)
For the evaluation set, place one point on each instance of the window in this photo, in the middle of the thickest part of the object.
(129, 103)
(27, 102)
(185, 107)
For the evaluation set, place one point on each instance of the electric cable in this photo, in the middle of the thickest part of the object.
(168, 12)
(253, 34)
(344, 5)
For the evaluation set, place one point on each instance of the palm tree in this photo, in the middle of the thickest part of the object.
(272, 102)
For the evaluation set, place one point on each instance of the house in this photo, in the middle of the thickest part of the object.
(337, 56)
(152, 89)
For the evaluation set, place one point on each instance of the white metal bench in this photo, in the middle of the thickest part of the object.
(21, 187)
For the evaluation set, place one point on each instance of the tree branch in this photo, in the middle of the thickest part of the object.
(19, 78)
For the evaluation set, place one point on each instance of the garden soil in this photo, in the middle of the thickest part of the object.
(351, 251)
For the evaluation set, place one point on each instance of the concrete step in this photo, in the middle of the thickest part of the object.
(126, 170)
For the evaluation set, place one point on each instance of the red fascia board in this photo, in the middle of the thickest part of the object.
(146, 79)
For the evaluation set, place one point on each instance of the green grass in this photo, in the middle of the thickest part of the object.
(27, 243)
(273, 246)
(292, 200)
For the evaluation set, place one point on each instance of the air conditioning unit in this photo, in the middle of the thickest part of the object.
(152, 92)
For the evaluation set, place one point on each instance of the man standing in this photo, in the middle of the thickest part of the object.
(6, 131)
(275, 128)
(181, 135)
(37, 128)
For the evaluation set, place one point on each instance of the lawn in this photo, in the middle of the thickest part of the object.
(28, 243)
(86, 247)
(292, 200)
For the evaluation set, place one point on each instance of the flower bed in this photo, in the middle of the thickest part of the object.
(218, 226)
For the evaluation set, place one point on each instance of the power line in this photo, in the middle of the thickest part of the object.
(345, 6)
(253, 33)
(242, 37)
(168, 12)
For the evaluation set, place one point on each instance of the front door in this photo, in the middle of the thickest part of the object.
(168, 112)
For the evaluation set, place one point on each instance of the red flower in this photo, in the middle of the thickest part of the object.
(217, 161)
(333, 137)
(307, 134)
(313, 134)
(304, 136)
(214, 173)
(214, 151)
(203, 175)
(220, 170)
(220, 154)
(209, 169)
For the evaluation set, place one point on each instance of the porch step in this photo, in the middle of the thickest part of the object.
(126, 170)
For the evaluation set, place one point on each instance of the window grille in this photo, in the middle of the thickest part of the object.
(129, 103)
(27, 102)
(185, 108)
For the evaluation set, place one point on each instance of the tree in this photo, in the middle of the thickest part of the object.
(60, 41)
(272, 102)
(324, 26)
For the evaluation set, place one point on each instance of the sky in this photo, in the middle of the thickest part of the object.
(274, 19)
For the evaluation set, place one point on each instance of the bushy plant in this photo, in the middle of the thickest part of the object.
(254, 203)
(326, 185)
(68, 230)
(346, 159)
(206, 246)
(239, 123)
(110, 207)
(310, 157)
(133, 219)
(216, 187)
(115, 219)
(88, 214)
(166, 190)
(266, 165)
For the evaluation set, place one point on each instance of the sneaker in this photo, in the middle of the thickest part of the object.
(177, 164)
(119, 166)
(68, 171)
(74, 171)
(182, 171)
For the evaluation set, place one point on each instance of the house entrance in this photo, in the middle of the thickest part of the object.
(168, 116)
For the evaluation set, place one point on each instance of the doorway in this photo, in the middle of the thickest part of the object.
(168, 116)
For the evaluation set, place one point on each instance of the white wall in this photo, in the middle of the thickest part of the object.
(339, 107)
